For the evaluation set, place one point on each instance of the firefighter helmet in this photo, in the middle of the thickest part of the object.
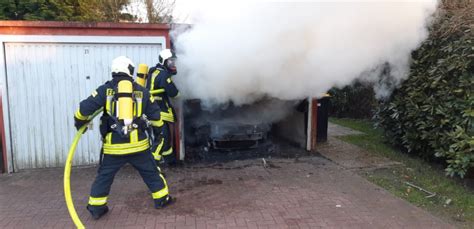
(167, 60)
(122, 64)
(164, 55)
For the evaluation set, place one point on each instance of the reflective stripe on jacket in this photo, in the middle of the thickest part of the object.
(162, 87)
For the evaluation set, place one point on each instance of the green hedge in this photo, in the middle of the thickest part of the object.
(354, 101)
(432, 113)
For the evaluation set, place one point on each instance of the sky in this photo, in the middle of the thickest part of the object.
(183, 10)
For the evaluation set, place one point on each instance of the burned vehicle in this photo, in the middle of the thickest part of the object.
(234, 127)
(234, 135)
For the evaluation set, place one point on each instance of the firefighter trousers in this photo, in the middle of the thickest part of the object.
(111, 164)
(167, 151)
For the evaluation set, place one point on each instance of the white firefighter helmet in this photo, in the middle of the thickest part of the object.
(164, 55)
(122, 64)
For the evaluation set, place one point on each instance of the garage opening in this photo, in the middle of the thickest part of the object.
(269, 127)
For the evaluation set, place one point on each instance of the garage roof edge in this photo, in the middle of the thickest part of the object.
(87, 25)
(83, 28)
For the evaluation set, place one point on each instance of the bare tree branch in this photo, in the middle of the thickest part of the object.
(160, 11)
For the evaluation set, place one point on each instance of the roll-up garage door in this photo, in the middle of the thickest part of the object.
(46, 82)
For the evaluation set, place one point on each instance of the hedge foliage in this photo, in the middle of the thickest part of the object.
(353, 101)
(432, 113)
(64, 10)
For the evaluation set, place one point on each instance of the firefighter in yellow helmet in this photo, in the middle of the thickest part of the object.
(128, 111)
(162, 87)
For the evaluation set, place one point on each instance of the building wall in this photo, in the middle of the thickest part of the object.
(43, 78)
(292, 129)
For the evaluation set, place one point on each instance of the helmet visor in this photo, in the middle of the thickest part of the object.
(131, 69)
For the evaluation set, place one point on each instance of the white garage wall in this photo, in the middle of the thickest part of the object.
(45, 83)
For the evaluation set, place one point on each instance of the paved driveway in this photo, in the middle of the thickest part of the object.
(305, 192)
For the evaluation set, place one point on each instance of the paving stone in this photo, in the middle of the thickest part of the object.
(237, 194)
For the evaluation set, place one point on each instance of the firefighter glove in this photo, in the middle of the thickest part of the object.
(79, 123)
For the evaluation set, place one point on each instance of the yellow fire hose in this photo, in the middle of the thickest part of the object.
(67, 174)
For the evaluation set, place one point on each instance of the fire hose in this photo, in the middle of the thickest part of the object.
(67, 173)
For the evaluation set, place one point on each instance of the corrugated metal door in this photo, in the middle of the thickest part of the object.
(45, 85)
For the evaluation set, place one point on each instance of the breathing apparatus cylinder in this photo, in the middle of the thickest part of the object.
(125, 103)
(142, 74)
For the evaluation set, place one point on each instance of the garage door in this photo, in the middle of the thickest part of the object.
(45, 84)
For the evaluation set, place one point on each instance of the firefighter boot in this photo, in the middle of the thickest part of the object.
(163, 202)
(97, 211)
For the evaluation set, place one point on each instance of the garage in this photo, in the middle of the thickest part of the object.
(47, 68)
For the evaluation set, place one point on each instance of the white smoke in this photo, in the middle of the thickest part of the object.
(242, 52)
(251, 114)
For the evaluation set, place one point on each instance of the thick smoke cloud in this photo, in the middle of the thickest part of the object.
(245, 52)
